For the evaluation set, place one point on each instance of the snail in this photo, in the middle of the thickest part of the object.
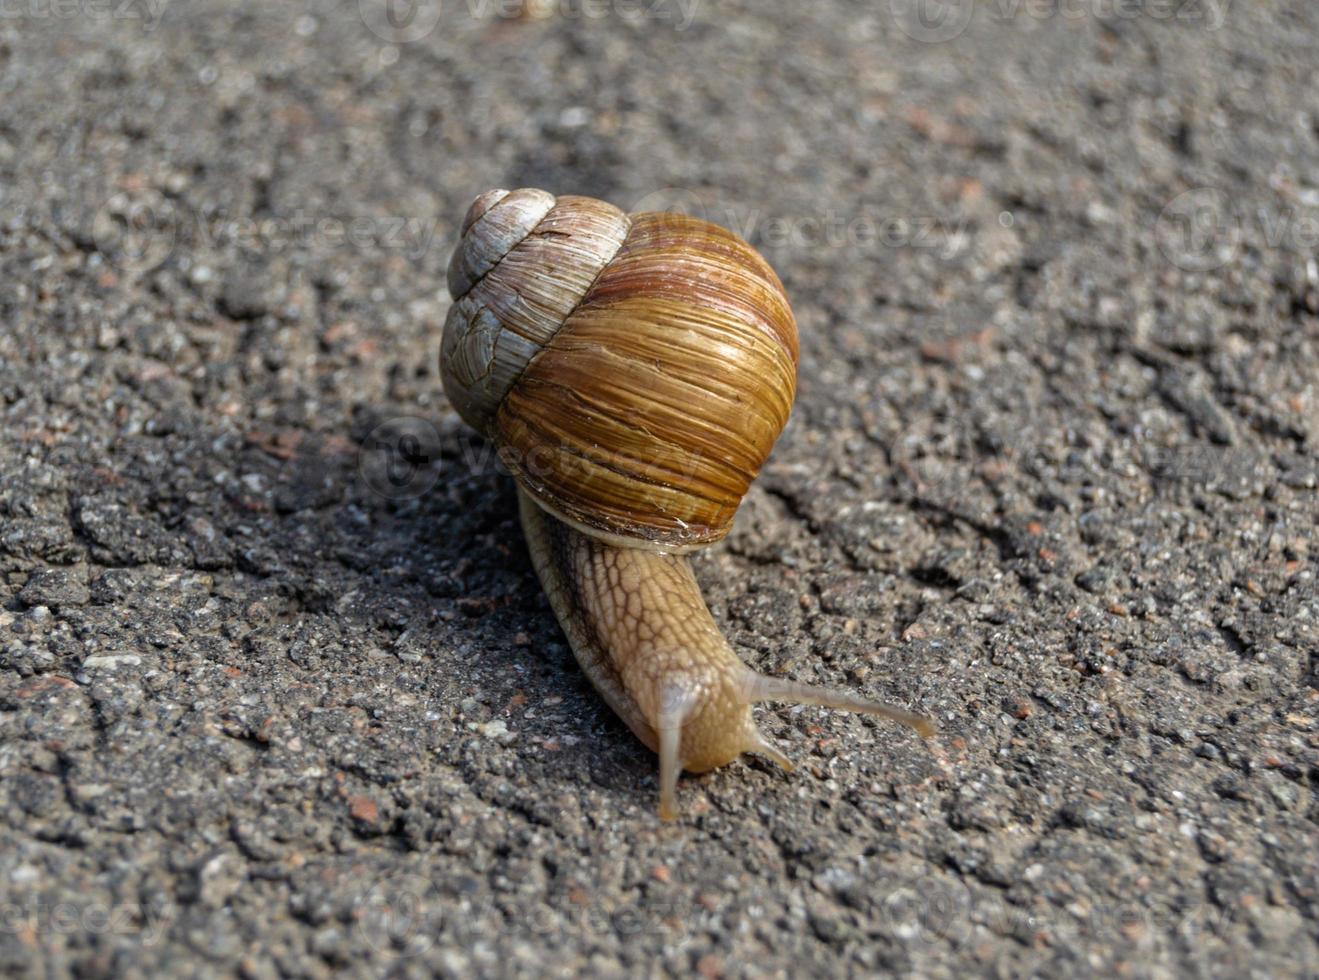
(633, 372)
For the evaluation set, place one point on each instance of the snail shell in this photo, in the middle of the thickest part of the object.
(634, 370)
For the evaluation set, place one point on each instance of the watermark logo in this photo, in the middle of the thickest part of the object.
(136, 232)
(929, 911)
(1197, 231)
(393, 915)
(400, 459)
(668, 201)
(400, 21)
(932, 21)
(676, 200)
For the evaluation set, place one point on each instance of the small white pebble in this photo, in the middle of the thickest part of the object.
(24, 873)
(496, 730)
(574, 117)
(111, 661)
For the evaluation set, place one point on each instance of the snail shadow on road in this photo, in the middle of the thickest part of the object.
(443, 519)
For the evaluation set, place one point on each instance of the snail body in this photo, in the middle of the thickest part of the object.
(633, 372)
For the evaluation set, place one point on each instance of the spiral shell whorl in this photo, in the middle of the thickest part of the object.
(525, 261)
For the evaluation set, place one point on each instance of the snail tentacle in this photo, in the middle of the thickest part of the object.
(761, 687)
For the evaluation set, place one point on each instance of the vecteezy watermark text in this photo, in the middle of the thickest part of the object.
(935, 21)
(860, 228)
(863, 230)
(148, 12)
(406, 915)
(412, 236)
(401, 458)
(1211, 13)
(37, 916)
(406, 21)
(139, 231)
(679, 13)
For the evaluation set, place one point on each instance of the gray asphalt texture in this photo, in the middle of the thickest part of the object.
(279, 694)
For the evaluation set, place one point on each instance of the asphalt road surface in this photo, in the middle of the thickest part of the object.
(279, 693)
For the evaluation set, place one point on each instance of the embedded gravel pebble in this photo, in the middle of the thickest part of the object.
(279, 693)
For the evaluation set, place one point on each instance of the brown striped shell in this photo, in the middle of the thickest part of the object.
(633, 370)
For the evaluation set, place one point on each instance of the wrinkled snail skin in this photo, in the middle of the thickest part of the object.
(644, 636)
(633, 372)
